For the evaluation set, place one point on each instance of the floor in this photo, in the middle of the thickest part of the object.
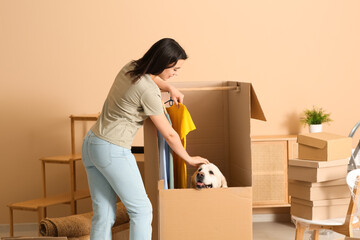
(261, 231)
(286, 231)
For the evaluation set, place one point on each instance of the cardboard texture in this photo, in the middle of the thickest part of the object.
(317, 171)
(321, 209)
(222, 135)
(324, 146)
(319, 191)
(220, 207)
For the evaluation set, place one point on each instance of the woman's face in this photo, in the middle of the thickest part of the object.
(170, 72)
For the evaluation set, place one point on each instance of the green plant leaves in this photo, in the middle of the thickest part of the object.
(315, 116)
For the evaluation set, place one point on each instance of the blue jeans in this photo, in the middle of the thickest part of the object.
(112, 170)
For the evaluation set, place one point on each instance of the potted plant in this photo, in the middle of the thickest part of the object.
(315, 117)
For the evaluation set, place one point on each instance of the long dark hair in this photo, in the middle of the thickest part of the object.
(165, 53)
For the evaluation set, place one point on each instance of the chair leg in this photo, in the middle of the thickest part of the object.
(300, 230)
(11, 222)
(40, 217)
(316, 234)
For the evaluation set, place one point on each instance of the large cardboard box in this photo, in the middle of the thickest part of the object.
(222, 135)
(319, 191)
(321, 209)
(317, 171)
(324, 146)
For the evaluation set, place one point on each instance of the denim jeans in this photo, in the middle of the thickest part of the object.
(112, 170)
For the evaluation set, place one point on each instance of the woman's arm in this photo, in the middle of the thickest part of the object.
(173, 139)
(175, 94)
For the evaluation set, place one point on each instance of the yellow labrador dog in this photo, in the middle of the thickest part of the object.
(208, 176)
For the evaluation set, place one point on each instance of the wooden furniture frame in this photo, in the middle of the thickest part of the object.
(39, 205)
(270, 156)
(67, 159)
(342, 226)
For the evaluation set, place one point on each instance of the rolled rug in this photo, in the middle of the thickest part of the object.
(77, 225)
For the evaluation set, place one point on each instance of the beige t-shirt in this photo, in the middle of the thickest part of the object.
(126, 107)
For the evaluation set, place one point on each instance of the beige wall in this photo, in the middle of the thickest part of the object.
(60, 57)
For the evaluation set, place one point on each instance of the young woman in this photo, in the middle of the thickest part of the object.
(110, 166)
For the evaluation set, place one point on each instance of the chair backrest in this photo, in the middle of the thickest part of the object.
(353, 179)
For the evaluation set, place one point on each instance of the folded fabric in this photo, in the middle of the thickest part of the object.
(77, 226)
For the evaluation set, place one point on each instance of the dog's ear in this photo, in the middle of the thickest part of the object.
(193, 181)
(223, 182)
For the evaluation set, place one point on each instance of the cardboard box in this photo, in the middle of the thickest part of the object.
(324, 146)
(317, 171)
(321, 209)
(222, 135)
(319, 191)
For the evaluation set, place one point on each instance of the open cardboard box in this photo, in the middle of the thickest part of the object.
(221, 112)
(324, 146)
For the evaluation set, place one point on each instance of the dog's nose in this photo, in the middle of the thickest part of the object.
(200, 176)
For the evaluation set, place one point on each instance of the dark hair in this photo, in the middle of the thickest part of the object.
(165, 53)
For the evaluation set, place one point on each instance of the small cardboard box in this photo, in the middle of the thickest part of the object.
(317, 171)
(324, 146)
(319, 191)
(221, 112)
(321, 209)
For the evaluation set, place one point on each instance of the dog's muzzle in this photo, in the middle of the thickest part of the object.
(199, 181)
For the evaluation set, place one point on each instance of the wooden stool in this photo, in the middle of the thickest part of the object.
(41, 204)
(71, 161)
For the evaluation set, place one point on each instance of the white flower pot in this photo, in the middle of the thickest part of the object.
(314, 128)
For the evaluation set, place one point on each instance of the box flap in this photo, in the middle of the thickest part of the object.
(256, 110)
(310, 140)
(317, 164)
(318, 140)
(319, 203)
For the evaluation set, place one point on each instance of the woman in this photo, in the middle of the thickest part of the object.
(110, 166)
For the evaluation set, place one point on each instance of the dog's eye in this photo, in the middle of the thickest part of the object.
(211, 172)
(199, 169)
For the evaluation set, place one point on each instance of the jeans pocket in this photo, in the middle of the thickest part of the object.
(84, 153)
(99, 151)
(124, 155)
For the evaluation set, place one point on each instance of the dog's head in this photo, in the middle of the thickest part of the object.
(208, 176)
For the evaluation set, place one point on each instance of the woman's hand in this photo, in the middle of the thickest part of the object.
(173, 139)
(176, 95)
(197, 161)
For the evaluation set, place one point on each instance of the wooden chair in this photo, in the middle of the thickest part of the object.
(343, 226)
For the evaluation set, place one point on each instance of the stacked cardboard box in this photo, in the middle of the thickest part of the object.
(317, 180)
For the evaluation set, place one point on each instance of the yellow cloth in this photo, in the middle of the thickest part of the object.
(183, 124)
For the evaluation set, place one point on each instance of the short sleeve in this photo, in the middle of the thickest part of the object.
(151, 103)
